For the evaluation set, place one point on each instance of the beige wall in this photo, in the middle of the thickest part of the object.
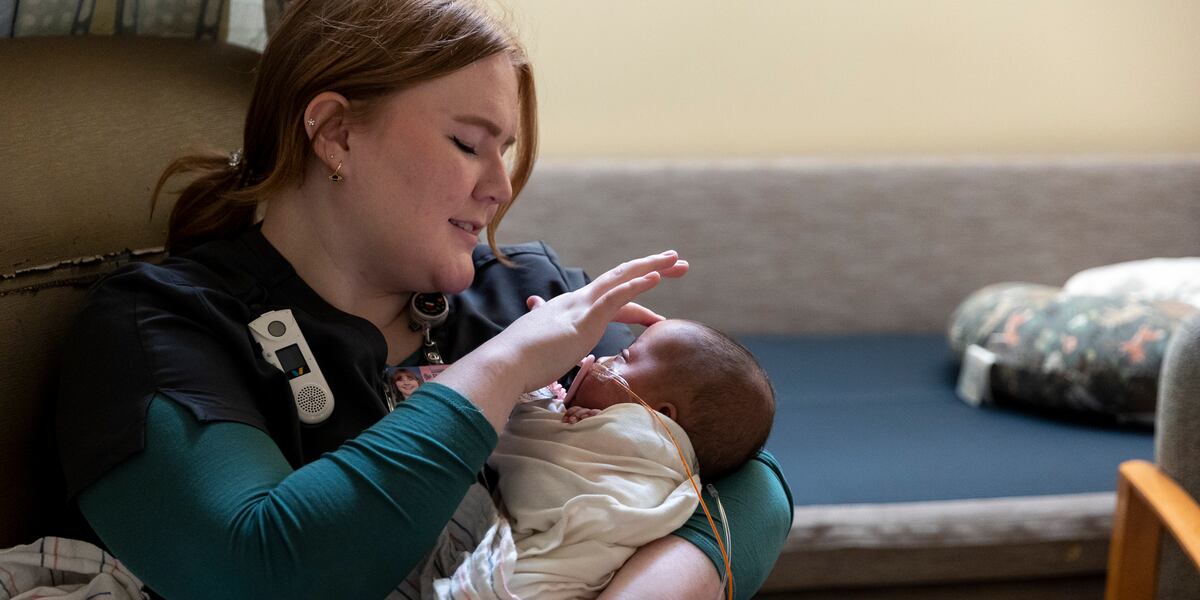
(831, 77)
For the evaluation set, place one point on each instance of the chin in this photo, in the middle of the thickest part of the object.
(455, 278)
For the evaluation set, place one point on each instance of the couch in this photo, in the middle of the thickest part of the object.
(842, 276)
(839, 273)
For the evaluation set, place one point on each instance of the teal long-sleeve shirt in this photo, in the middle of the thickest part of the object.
(215, 508)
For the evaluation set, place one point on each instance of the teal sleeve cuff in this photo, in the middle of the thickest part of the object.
(758, 503)
(214, 508)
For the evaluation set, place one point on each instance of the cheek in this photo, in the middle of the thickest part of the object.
(593, 393)
(411, 176)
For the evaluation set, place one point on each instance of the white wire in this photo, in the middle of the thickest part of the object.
(712, 490)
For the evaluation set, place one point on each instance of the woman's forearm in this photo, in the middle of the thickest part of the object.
(486, 377)
(209, 503)
(670, 568)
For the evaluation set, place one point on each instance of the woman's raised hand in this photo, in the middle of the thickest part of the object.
(555, 334)
(550, 339)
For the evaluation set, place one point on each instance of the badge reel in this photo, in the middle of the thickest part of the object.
(426, 311)
(283, 345)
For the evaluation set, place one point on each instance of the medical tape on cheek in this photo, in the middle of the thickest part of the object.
(604, 371)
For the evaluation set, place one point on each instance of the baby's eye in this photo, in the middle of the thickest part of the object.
(625, 354)
(462, 146)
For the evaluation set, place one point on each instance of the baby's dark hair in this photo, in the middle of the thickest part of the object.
(732, 403)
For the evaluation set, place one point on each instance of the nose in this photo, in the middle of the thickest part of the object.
(494, 186)
(606, 368)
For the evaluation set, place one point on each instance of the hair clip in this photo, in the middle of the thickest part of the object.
(235, 159)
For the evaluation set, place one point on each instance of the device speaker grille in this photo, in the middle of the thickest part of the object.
(311, 399)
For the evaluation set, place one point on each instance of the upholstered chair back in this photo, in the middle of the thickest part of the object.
(1177, 449)
(87, 123)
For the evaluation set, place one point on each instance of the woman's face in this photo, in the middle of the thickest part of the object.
(428, 176)
(406, 382)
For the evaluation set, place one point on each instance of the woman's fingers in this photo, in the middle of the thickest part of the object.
(618, 297)
(679, 269)
(634, 269)
(636, 314)
(533, 302)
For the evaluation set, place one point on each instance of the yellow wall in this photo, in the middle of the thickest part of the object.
(835, 77)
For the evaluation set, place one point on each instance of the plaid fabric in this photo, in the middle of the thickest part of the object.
(62, 568)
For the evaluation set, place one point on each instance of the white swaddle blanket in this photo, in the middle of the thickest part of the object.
(578, 500)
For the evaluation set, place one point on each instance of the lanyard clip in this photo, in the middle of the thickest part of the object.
(432, 355)
(426, 311)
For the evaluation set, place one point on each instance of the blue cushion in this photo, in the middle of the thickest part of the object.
(874, 418)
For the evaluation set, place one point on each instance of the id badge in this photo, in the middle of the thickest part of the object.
(404, 381)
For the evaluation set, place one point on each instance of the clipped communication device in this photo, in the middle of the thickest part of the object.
(428, 310)
(283, 346)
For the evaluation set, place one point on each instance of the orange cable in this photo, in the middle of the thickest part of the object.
(691, 478)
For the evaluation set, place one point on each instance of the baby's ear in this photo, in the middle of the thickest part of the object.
(667, 409)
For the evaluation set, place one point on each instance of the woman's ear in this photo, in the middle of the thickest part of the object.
(325, 121)
(668, 409)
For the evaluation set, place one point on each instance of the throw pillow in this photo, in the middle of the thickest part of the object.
(1173, 279)
(1095, 356)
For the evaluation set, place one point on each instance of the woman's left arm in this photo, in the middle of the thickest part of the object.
(758, 504)
(670, 568)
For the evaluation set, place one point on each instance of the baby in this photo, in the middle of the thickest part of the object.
(581, 489)
(699, 377)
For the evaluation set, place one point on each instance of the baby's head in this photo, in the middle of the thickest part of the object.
(702, 379)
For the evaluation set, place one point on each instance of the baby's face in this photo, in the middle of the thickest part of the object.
(649, 366)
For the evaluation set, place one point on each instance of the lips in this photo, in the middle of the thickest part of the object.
(467, 226)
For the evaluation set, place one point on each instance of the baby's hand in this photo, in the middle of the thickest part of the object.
(576, 414)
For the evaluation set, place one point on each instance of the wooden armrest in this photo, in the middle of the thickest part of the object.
(1147, 500)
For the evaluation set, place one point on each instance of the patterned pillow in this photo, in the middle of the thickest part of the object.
(1086, 355)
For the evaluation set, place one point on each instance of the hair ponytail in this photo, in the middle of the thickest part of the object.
(210, 205)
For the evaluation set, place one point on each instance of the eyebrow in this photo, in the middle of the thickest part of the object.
(487, 124)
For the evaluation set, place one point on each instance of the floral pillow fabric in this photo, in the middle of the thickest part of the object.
(1090, 355)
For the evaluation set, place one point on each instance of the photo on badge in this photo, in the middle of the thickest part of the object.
(406, 380)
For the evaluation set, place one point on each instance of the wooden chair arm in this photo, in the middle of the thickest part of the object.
(1147, 500)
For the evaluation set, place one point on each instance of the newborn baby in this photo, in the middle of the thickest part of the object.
(699, 377)
(580, 490)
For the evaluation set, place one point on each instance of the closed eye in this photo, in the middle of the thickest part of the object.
(462, 146)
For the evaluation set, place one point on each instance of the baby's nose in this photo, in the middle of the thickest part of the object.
(607, 368)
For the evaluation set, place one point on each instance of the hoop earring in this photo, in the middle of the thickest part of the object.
(336, 175)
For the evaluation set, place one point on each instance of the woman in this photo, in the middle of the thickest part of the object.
(377, 140)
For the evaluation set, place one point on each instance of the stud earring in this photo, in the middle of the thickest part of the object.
(336, 176)
(311, 122)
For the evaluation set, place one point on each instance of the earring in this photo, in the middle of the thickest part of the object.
(336, 175)
(311, 122)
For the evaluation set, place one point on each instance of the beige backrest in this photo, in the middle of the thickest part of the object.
(813, 245)
(86, 126)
